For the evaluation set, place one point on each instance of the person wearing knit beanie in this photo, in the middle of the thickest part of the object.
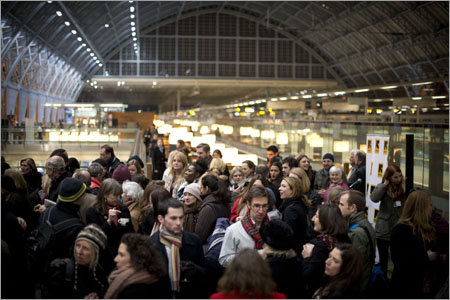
(328, 156)
(121, 173)
(192, 202)
(94, 235)
(71, 190)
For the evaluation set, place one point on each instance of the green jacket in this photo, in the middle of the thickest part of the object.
(361, 241)
(388, 215)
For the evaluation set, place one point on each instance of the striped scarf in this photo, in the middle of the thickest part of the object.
(174, 242)
(253, 230)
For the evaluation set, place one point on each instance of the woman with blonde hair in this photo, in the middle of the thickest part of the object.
(294, 208)
(248, 276)
(178, 164)
(218, 166)
(237, 179)
(412, 239)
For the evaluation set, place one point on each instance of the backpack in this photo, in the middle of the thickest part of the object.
(378, 287)
(39, 245)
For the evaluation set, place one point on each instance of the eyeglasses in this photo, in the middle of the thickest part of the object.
(259, 206)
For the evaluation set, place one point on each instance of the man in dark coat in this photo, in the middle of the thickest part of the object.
(107, 154)
(71, 196)
(176, 245)
(55, 168)
(357, 180)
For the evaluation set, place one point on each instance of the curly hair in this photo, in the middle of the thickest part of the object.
(247, 274)
(143, 254)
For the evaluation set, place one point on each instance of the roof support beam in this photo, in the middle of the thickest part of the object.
(80, 30)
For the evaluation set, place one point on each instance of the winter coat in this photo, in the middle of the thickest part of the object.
(321, 180)
(112, 164)
(157, 290)
(191, 250)
(54, 186)
(211, 209)
(365, 244)
(287, 274)
(410, 262)
(294, 212)
(34, 184)
(359, 173)
(113, 232)
(158, 163)
(66, 238)
(388, 215)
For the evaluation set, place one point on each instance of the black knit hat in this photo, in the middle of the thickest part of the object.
(71, 189)
(138, 159)
(8, 183)
(277, 234)
(93, 234)
(329, 156)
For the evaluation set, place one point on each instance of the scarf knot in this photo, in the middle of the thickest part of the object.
(253, 230)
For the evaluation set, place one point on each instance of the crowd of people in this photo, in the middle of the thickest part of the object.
(197, 230)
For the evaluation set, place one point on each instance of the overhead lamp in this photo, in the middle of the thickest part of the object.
(416, 98)
(133, 28)
(132, 16)
(88, 49)
(92, 54)
(135, 44)
(132, 23)
(263, 100)
(361, 90)
(74, 31)
(340, 93)
(131, 8)
(306, 96)
(58, 13)
(155, 83)
(79, 39)
(101, 65)
(97, 61)
(274, 99)
(294, 97)
(49, 2)
(106, 25)
(67, 23)
(95, 57)
(283, 98)
(389, 87)
(258, 101)
(133, 33)
(438, 97)
(377, 100)
(134, 39)
(130, 1)
(422, 83)
(83, 45)
(322, 95)
(251, 102)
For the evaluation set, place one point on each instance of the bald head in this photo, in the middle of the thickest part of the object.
(83, 176)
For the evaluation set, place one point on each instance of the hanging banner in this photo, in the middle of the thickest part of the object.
(376, 164)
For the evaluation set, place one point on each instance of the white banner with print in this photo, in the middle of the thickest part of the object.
(376, 164)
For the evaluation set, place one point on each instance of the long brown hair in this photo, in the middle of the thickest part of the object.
(349, 275)
(331, 220)
(394, 191)
(108, 186)
(309, 172)
(416, 213)
(247, 274)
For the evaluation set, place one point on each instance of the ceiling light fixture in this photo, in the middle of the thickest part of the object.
(132, 23)
(74, 31)
(83, 45)
(339, 93)
(101, 65)
(361, 90)
(133, 33)
(389, 87)
(134, 39)
(294, 97)
(132, 16)
(92, 54)
(321, 95)
(106, 25)
(416, 98)
(88, 49)
(306, 96)
(79, 39)
(438, 97)
(58, 13)
(67, 23)
(133, 28)
(131, 8)
(422, 83)
(283, 98)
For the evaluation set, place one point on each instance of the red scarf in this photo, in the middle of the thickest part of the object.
(116, 217)
(253, 230)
